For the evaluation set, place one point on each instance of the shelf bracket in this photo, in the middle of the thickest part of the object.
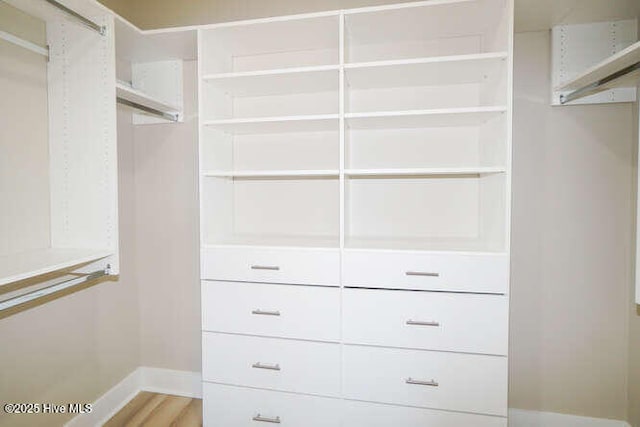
(42, 292)
(167, 116)
(101, 29)
(599, 85)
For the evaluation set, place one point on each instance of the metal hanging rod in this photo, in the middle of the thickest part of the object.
(84, 21)
(163, 114)
(40, 50)
(30, 296)
(599, 85)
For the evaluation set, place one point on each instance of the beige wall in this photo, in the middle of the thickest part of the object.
(167, 262)
(572, 246)
(78, 346)
(634, 326)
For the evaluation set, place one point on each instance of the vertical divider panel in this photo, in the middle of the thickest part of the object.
(343, 192)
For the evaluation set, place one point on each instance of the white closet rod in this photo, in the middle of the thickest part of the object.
(84, 21)
(167, 116)
(599, 85)
(40, 50)
(30, 296)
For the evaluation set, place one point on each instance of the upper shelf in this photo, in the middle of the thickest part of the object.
(474, 116)
(25, 265)
(609, 66)
(135, 97)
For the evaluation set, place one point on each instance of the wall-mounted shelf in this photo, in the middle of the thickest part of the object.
(621, 70)
(423, 118)
(277, 82)
(423, 172)
(28, 264)
(147, 104)
(311, 123)
(299, 174)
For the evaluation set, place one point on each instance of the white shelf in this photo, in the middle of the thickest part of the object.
(130, 94)
(456, 69)
(470, 245)
(25, 265)
(279, 241)
(617, 62)
(327, 173)
(310, 123)
(423, 118)
(277, 82)
(423, 172)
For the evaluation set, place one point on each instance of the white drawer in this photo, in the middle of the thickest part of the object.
(468, 323)
(277, 364)
(288, 311)
(272, 265)
(485, 273)
(230, 406)
(437, 380)
(364, 414)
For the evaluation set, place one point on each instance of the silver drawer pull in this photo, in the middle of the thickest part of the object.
(431, 383)
(420, 323)
(259, 365)
(260, 418)
(265, 267)
(421, 273)
(265, 312)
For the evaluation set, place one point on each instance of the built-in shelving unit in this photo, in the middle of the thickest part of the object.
(61, 201)
(345, 158)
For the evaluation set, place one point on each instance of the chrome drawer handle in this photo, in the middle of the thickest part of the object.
(265, 267)
(260, 418)
(421, 273)
(420, 323)
(431, 383)
(259, 365)
(265, 312)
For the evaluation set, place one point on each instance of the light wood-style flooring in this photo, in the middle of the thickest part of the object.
(158, 410)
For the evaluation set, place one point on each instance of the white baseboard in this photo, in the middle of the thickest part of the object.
(522, 418)
(180, 383)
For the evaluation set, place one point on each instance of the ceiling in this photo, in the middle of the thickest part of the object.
(536, 15)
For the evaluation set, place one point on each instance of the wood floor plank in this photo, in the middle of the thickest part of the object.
(148, 409)
(145, 411)
(134, 405)
(168, 410)
(191, 416)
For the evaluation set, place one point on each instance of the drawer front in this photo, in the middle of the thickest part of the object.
(272, 265)
(230, 406)
(451, 381)
(468, 323)
(288, 311)
(287, 365)
(421, 271)
(364, 414)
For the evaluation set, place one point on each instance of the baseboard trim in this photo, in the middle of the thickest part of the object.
(168, 381)
(523, 418)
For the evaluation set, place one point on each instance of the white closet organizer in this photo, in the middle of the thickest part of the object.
(86, 44)
(81, 218)
(355, 216)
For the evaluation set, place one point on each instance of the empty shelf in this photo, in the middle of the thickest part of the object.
(458, 69)
(311, 123)
(435, 244)
(425, 172)
(277, 82)
(28, 264)
(327, 173)
(279, 241)
(423, 118)
(134, 96)
(609, 66)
